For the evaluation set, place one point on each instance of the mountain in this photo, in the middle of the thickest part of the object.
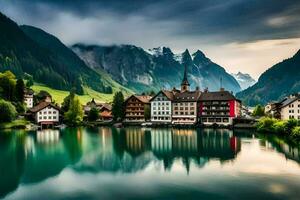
(26, 49)
(277, 82)
(245, 80)
(155, 68)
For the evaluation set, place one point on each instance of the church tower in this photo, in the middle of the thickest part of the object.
(185, 85)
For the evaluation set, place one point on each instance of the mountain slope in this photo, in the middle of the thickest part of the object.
(245, 80)
(31, 50)
(277, 82)
(156, 68)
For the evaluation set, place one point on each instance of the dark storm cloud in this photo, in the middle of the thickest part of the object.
(230, 20)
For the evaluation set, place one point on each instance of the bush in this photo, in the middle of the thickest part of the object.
(279, 127)
(289, 125)
(266, 124)
(296, 132)
(7, 111)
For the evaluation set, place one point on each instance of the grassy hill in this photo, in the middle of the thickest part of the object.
(59, 95)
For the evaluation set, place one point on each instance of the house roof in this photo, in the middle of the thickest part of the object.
(217, 96)
(168, 94)
(28, 91)
(43, 105)
(187, 96)
(141, 98)
(106, 106)
(288, 101)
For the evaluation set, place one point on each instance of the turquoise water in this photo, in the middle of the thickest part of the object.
(135, 163)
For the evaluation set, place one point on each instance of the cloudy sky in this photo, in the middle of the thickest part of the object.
(240, 35)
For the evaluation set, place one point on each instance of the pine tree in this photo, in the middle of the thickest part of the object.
(93, 114)
(118, 109)
(66, 103)
(20, 87)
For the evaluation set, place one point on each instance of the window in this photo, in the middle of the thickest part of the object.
(49, 117)
(54, 117)
(49, 112)
(226, 120)
(45, 117)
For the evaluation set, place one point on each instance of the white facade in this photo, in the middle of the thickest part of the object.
(161, 109)
(48, 114)
(28, 100)
(291, 111)
(184, 113)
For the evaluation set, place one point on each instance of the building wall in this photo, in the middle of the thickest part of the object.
(134, 110)
(161, 109)
(28, 100)
(48, 114)
(217, 112)
(184, 112)
(291, 111)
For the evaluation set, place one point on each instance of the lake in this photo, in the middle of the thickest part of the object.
(137, 163)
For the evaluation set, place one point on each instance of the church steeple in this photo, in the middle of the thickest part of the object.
(185, 83)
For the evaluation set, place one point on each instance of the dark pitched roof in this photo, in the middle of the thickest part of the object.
(217, 96)
(42, 105)
(167, 93)
(185, 79)
(28, 91)
(187, 96)
(288, 101)
(141, 98)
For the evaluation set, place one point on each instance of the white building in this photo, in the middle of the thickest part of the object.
(28, 98)
(290, 108)
(45, 113)
(161, 107)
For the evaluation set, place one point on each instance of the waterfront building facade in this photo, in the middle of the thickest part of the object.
(184, 105)
(290, 108)
(161, 107)
(45, 113)
(135, 107)
(219, 108)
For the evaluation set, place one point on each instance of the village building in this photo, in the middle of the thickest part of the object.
(135, 107)
(290, 108)
(161, 107)
(45, 113)
(106, 112)
(219, 108)
(184, 105)
(28, 98)
(105, 109)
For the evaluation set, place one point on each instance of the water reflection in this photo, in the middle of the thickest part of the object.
(33, 157)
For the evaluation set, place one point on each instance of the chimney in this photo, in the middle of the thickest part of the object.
(206, 90)
(222, 89)
(197, 88)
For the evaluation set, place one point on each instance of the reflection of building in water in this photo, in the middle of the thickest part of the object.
(218, 143)
(185, 142)
(188, 145)
(136, 141)
(47, 136)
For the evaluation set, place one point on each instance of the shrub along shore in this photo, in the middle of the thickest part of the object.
(289, 128)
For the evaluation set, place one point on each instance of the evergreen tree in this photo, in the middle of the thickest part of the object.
(20, 87)
(74, 115)
(93, 114)
(118, 109)
(66, 103)
(147, 112)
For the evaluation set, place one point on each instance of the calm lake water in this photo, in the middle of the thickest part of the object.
(135, 163)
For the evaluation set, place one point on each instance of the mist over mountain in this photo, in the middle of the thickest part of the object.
(153, 69)
(245, 80)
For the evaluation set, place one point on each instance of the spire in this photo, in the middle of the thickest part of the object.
(185, 83)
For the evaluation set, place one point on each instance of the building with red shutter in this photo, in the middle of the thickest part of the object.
(218, 108)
